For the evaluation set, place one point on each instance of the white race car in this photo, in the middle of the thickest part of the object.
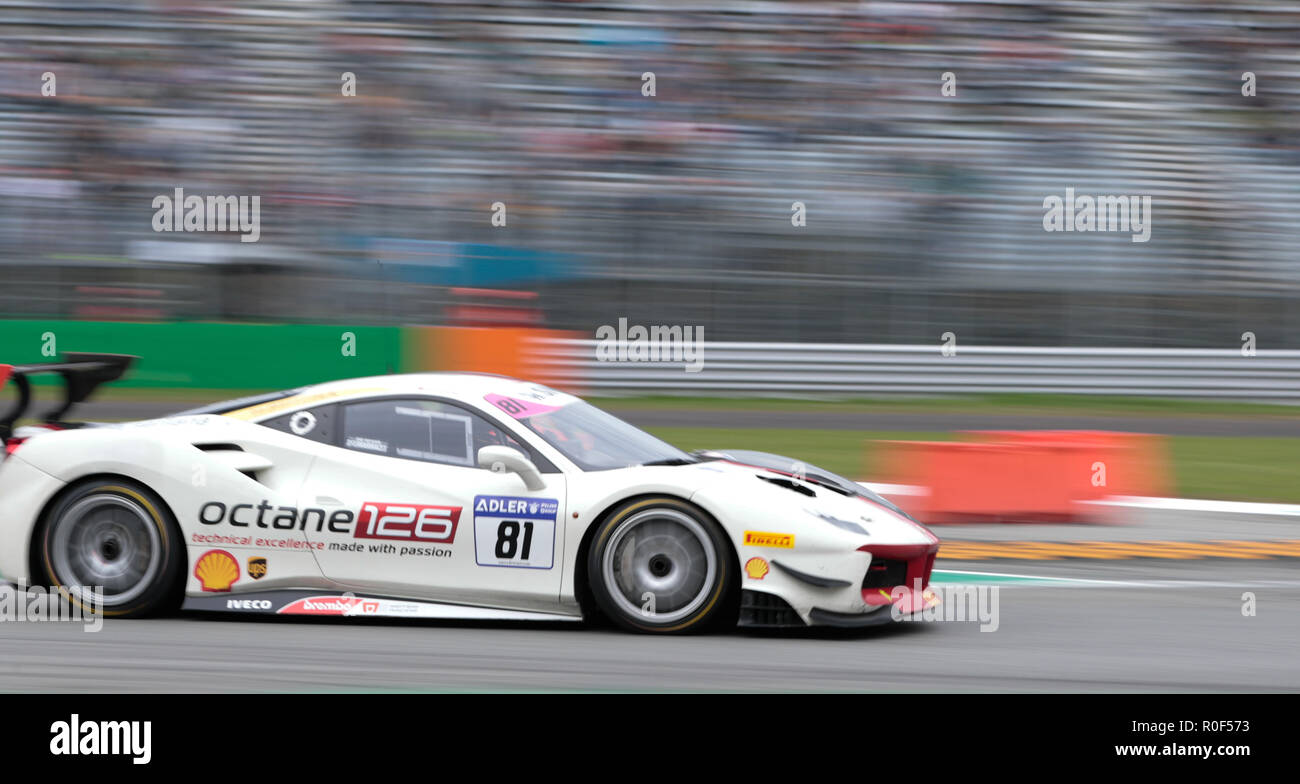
(438, 495)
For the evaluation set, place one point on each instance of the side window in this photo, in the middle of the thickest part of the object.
(419, 430)
(315, 424)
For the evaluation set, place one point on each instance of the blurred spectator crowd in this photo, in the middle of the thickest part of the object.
(924, 211)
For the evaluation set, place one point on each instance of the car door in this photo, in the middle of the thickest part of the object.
(404, 508)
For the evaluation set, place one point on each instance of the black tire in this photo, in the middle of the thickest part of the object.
(678, 576)
(117, 534)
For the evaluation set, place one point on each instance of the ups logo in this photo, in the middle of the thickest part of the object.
(257, 568)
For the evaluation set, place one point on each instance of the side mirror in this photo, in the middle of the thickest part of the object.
(506, 459)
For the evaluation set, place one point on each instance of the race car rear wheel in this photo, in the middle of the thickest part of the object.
(115, 535)
(661, 565)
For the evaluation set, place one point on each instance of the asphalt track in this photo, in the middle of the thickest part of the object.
(1148, 627)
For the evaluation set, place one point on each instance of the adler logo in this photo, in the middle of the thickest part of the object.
(97, 738)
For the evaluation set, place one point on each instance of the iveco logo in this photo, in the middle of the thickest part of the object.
(248, 604)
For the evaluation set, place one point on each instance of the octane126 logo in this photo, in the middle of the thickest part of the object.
(407, 522)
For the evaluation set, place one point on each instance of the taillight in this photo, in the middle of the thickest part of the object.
(12, 444)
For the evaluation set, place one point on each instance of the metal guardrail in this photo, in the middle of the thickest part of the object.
(845, 370)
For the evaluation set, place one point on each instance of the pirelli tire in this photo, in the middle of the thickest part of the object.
(115, 534)
(661, 565)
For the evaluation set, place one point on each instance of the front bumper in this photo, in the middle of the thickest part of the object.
(893, 581)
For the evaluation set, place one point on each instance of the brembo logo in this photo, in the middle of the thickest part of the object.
(339, 605)
(331, 605)
(378, 520)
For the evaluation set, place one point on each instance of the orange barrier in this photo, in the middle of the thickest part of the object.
(504, 350)
(1035, 476)
(1135, 463)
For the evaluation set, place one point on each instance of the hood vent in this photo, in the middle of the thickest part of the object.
(788, 484)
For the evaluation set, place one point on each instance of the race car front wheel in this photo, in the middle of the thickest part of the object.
(661, 565)
(117, 536)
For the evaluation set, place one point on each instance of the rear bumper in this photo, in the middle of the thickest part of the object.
(24, 491)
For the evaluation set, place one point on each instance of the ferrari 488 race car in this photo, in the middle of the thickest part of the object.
(438, 495)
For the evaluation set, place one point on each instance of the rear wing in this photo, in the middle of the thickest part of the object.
(82, 374)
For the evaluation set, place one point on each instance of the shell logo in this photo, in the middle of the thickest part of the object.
(217, 570)
(756, 568)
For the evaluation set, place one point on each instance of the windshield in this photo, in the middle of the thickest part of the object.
(598, 441)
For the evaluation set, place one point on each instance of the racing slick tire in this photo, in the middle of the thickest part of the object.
(117, 534)
(661, 565)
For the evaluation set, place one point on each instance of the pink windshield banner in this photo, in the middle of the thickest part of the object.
(519, 409)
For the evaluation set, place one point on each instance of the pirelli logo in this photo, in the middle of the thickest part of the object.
(766, 539)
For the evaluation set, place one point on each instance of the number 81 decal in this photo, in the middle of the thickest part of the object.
(515, 531)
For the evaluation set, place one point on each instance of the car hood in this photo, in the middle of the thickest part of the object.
(786, 489)
(796, 469)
